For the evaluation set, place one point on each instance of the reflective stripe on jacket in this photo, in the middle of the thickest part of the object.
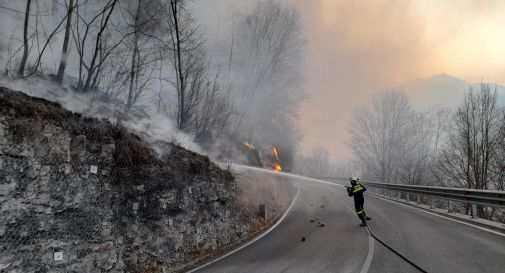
(357, 190)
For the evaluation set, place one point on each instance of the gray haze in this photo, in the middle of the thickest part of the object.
(356, 49)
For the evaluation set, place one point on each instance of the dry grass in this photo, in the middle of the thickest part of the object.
(16, 105)
(139, 153)
(132, 267)
(23, 129)
(30, 107)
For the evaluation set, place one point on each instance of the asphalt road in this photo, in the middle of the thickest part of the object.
(433, 243)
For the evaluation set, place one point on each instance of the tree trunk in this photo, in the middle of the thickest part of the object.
(64, 52)
(134, 61)
(98, 47)
(181, 121)
(25, 40)
(133, 73)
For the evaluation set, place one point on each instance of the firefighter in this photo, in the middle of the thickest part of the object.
(357, 191)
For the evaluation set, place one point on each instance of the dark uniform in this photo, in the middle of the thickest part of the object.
(357, 191)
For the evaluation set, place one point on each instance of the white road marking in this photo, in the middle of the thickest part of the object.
(441, 216)
(369, 256)
(253, 240)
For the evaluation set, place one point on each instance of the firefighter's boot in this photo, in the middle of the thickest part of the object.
(361, 216)
(367, 217)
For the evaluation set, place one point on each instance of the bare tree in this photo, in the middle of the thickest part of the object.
(315, 164)
(498, 162)
(144, 19)
(473, 141)
(49, 39)
(380, 134)
(189, 62)
(22, 65)
(265, 64)
(175, 13)
(135, 59)
(416, 156)
(213, 114)
(103, 44)
(497, 169)
(66, 40)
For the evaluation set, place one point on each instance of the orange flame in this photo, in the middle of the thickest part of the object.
(275, 152)
(276, 166)
(248, 145)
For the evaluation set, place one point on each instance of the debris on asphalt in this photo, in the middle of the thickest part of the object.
(303, 239)
(312, 220)
(321, 224)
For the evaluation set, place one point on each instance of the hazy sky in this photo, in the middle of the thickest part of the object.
(356, 48)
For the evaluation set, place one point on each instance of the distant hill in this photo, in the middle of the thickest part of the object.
(442, 90)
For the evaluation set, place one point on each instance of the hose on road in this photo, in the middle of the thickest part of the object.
(394, 251)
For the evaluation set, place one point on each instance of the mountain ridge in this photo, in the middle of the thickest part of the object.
(443, 90)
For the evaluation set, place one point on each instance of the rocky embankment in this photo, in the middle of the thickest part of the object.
(79, 194)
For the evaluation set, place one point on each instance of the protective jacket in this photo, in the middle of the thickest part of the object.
(357, 191)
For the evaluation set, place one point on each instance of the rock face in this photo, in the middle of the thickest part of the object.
(82, 195)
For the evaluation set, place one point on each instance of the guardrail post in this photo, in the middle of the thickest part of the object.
(430, 200)
(450, 206)
(263, 211)
(418, 199)
(474, 211)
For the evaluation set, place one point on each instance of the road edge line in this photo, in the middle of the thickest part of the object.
(371, 246)
(253, 240)
(369, 256)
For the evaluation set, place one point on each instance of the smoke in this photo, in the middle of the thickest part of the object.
(358, 48)
(350, 53)
(259, 47)
(152, 126)
(354, 49)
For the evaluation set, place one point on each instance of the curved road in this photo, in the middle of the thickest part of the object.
(341, 245)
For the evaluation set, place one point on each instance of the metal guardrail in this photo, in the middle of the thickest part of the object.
(481, 197)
